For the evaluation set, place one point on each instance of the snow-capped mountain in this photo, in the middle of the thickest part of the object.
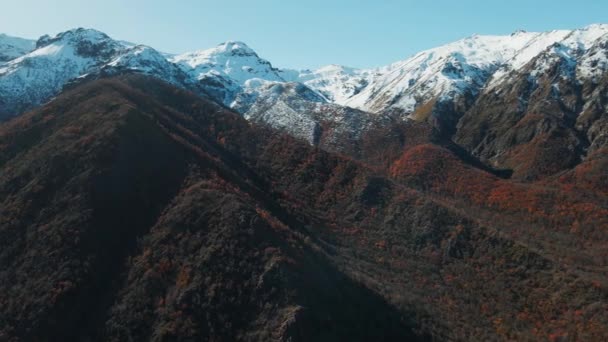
(460, 68)
(31, 79)
(35, 77)
(554, 102)
(146, 60)
(450, 77)
(594, 62)
(303, 113)
(336, 83)
(227, 69)
(13, 47)
(570, 44)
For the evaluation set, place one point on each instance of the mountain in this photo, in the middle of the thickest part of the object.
(303, 113)
(32, 79)
(546, 116)
(74, 56)
(335, 82)
(143, 59)
(13, 47)
(227, 70)
(458, 195)
(132, 209)
(458, 69)
(231, 73)
(158, 229)
(459, 88)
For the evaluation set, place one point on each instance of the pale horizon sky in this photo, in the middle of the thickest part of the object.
(305, 34)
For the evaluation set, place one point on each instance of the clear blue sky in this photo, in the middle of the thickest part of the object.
(308, 33)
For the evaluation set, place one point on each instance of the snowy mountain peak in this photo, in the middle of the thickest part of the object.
(13, 47)
(33, 78)
(518, 32)
(235, 48)
(87, 44)
(73, 36)
(596, 27)
(234, 74)
(449, 70)
(224, 52)
(229, 65)
(134, 55)
(466, 67)
(582, 39)
(146, 60)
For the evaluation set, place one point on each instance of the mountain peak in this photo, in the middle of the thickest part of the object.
(219, 54)
(13, 47)
(78, 36)
(597, 26)
(235, 48)
(73, 35)
(518, 32)
(231, 62)
(234, 44)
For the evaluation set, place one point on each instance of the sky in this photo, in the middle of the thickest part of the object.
(299, 34)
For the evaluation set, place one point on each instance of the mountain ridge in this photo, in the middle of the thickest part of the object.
(357, 87)
(445, 86)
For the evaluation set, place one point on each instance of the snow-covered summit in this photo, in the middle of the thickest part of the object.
(33, 78)
(449, 70)
(547, 47)
(234, 60)
(73, 35)
(13, 47)
(234, 74)
(463, 67)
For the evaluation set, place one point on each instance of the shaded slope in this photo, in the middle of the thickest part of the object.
(87, 176)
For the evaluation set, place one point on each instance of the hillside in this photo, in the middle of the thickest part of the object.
(133, 209)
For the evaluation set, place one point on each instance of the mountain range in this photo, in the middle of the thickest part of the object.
(334, 103)
(460, 194)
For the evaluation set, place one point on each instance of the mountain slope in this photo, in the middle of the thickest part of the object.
(224, 265)
(132, 209)
(336, 83)
(32, 79)
(461, 69)
(227, 70)
(13, 47)
(70, 57)
(545, 117)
